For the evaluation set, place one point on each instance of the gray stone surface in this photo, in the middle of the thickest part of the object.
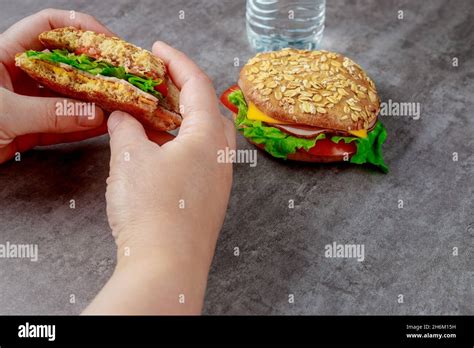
(408, 251)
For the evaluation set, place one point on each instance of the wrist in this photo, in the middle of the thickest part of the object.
(178, 248)
(156, 284)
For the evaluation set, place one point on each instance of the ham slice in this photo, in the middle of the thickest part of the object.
(309, 132)
(300, 131)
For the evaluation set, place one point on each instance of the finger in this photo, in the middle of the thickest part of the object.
(23, 35)
(199, 107)
(5, 80)
(180, 67)
(52, 139)
(25, 115)
(84, 21)
(26, 142)
(25, 32)
(197, 98)
(125, 133)
(229, 131)
(18, 145)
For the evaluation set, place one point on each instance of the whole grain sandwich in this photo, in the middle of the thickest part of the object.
(108, 71)
(314, 106)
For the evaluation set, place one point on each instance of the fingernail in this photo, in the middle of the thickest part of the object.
(114, 119)
(92, 119)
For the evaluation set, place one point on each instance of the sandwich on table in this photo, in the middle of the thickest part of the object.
(313, 106)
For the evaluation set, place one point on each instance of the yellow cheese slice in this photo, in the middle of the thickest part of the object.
(255, 114)
(362, 133)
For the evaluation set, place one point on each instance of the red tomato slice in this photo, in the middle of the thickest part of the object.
(324, 147)
(225, 99)
(327, 148)
(162, 88)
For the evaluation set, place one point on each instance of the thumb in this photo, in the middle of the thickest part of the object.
(126, 134)
(26, 115)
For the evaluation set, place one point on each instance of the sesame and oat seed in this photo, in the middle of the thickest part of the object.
(315, 82)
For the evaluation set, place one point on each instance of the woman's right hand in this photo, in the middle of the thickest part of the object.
(166, 204)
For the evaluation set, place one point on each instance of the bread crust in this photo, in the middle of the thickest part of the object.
(112, 50)
(115, 51)
(109, 94)
(316, 88)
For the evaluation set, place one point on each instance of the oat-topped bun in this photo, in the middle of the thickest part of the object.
(316, 88)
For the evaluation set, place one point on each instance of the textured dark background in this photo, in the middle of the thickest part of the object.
(408, 251)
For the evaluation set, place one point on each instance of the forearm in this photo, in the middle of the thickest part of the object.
(157, 278)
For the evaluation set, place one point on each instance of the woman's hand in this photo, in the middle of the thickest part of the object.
(28, 115)
(166, 204)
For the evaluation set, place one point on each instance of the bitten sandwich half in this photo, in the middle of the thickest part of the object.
(108, 71)
(314, 106)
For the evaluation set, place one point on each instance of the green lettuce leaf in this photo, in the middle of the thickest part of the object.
(95, 67)
(277, 143)
(369, 150)
(280, 144)
(237, 98)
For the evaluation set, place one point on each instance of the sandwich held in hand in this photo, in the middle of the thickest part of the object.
(314, 106)
(108, 71)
